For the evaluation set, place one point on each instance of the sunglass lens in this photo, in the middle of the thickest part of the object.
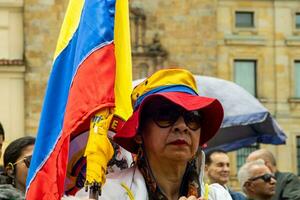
(166, 116)
(27, 161)
(193, 119)
(268, 177)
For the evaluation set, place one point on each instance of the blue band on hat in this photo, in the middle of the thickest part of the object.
(162, 89)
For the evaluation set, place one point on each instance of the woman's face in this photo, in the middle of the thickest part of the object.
(21, 169)
(173, 141)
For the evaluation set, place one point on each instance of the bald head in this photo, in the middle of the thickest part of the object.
(265, 155)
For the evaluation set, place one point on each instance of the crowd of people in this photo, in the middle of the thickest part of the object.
(166, 132)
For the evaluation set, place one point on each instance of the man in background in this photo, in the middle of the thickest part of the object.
(257, 181)
(217, 168)
(288, 184)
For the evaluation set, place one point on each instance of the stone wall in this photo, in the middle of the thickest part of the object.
(187, 30)
(42, 21)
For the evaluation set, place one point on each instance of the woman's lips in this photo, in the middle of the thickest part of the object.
(179, 142)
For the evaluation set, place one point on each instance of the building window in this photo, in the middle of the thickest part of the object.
(244, 19)
(242, 154)
(298, 154)
(297, 20)
(297, 79)
(245, 74)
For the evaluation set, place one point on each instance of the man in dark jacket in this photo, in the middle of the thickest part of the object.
(217, 170)
(288, 184)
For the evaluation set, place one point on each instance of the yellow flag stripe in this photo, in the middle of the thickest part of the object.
(69, 26)
(123, 84)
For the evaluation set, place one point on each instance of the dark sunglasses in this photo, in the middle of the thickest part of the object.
(266, 178)
(166, 115)
(26, 160)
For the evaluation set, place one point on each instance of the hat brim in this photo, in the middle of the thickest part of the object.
(211, 109)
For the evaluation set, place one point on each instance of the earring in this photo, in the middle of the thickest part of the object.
(10, 166)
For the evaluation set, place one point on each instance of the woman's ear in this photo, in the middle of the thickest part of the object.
(138, 139)
(10, 169)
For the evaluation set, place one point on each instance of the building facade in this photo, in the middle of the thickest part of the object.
(258, 47)
(254, 43)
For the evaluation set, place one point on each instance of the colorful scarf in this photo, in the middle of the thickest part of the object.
(189, 186)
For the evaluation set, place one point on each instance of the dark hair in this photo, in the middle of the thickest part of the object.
(2, 131)
(208, 155)
(15, 148)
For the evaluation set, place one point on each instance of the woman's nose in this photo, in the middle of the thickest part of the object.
(180, 125)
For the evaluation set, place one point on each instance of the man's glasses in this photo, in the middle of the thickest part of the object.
(266, 178)
(26, 160)
(166, 115)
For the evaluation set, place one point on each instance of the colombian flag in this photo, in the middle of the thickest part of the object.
(91, 71)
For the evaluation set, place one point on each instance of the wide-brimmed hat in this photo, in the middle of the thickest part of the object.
(179, 87)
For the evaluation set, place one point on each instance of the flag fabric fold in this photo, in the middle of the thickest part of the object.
(88, 74)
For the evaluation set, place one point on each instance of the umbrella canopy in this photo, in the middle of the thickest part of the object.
(246, 120)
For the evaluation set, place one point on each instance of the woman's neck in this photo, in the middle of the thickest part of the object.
(168, 176)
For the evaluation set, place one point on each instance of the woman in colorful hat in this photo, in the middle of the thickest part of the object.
(169, 125)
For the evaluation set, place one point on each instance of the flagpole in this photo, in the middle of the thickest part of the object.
(94, 191)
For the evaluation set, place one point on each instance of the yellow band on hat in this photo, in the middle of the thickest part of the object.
(164, 77)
